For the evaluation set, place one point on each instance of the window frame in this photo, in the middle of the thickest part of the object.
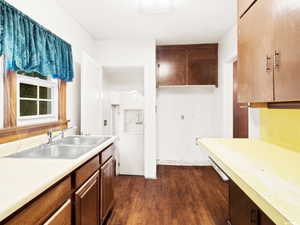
(37, 119)
(10, 131)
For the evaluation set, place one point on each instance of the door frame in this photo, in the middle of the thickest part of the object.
(146, 101)
(239, 109)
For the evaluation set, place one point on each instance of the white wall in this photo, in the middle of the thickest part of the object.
(254, 123)
(208, 112)
(137, 53)
(49, 14)
(227, 55)
(185, 113)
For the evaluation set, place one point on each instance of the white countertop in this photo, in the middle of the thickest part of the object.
(267, 173)
(21, 180)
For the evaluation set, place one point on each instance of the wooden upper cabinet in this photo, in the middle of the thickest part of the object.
(172, 66)
(203, 65)
(243, 5)
(255, 54)
(269, 60)
(286, 50)
(187, 64)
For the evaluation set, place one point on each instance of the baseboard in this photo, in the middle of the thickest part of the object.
(151, 178)
(183, 163)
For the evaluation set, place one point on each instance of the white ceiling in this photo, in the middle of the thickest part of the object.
(191, 21)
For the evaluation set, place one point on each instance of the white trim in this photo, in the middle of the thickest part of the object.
(189, 86)
(29, 120)
(184, 163)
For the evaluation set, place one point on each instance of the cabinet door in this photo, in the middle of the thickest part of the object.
(243, 5)
(107, 195)
(242, 210)
(286, 50)
(172, 65)
(203, 66)
(62, 216)
(255, 51)
(87, 202)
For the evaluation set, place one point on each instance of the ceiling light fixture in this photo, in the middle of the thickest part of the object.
(155, 6)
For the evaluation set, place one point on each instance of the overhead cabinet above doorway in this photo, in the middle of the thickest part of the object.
(179, 65)
(269, 56)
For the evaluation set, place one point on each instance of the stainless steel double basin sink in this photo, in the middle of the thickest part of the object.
(71, 147)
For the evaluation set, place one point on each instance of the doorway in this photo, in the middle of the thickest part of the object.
(240, 110)
(123, 113)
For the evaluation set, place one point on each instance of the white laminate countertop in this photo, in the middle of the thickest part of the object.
(21, 180)
(267, 173)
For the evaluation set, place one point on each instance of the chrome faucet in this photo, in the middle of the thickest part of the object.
(50, 135)
(62, 134)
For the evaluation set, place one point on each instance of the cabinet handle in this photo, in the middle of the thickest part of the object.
(254, 216)
(268, 68)
(276, 60)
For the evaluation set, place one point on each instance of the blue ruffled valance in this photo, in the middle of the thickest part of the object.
(29, 47)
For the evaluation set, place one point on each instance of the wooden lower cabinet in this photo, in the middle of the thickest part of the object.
(62, 216)
(107, 195)
(243, 211)
(37, 212)
(84, 197)
(264, 220)
(87, 202)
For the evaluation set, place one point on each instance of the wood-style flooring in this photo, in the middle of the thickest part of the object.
(180, 196)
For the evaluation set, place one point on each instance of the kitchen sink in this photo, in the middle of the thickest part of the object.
(71, 147)
(83, 140)
(56, 151)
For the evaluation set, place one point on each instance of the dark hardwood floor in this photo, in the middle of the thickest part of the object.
(180, 196)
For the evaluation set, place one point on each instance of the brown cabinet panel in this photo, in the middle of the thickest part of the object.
(107, 194)
(243, 5)
(87, 170)
(37, 211)
(242, 210)
(255, 52)
(87, 202)
(286, 51)
(172, 66)
(188, 64)
(63, 216)
(264, 220)
(106, 154)
(203, 66)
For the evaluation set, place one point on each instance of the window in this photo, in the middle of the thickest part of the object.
(37, 99)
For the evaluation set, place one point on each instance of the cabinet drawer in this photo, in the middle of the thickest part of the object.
(106, 154)
(62, 216)
(36, 212)
(85, 171)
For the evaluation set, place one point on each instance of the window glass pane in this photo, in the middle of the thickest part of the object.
(28, 91)
(45, 107)
(28, 108)
(45, 93)
(33, 74)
